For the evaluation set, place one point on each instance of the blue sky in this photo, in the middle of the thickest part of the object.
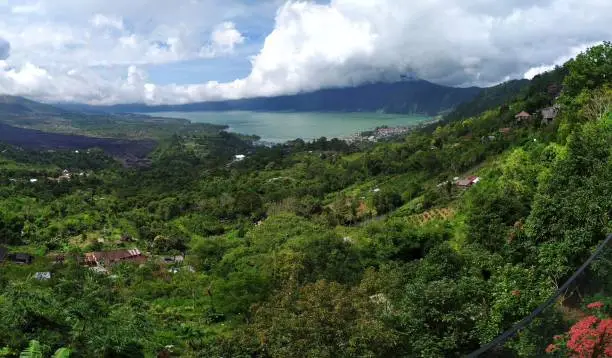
(180, 51)
(221, 69)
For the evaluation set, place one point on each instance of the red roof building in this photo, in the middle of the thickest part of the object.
(522, 116)
(114, 257)
(468, 182)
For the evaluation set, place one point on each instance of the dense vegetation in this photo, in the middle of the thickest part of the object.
(323, 249)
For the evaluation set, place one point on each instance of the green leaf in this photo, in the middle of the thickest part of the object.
(6, 352)
(33, 351)
(62, 353)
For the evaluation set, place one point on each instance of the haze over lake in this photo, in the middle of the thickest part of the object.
(281, 127)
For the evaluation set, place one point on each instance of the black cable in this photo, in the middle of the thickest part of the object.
(525, 321)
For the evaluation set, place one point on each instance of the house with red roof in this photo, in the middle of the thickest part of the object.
(108, 258)
(522, 117)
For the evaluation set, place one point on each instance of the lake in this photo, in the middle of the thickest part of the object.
(281, 127)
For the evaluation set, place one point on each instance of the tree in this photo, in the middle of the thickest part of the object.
(589, 70)
(600, 104)
(570, 209)
(322, 319)
(386, 201)
(492, 208)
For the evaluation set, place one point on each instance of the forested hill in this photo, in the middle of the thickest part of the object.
(488, 98)
(430, 244)
(16, 106)
(416, 96)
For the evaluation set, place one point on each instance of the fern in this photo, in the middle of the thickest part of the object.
(33, 351)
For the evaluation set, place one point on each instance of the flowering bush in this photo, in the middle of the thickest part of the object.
(591, 337)
(595, 305)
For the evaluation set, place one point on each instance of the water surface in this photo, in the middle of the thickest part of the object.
(281, 127)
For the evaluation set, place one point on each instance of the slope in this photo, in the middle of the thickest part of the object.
(14, 105)
(417, 96)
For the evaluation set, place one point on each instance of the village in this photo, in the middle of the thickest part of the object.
(376, 134)
(547, 116)
(99, 262)
(65, 175)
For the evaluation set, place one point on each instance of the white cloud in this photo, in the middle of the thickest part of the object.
(100, 20)
(223, 40)
(226, 37)
(68, 33)
(31, 8)
(534, 71)
(453, 42)
(101, 59)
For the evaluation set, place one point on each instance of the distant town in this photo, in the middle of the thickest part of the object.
(384, 132)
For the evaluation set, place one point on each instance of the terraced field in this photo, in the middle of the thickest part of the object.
(434, 214)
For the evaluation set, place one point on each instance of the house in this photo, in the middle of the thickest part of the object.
(113, 257)
(468, 182)
(18, 258)
(522, 117)
(42, 276)
(33, 180)
(173, 259)
(3, 253)
(505, 130)
(239, 157)
(549, 114)
(21, 258)
(59, 259)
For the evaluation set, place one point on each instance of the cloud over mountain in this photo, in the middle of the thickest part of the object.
(310, 45)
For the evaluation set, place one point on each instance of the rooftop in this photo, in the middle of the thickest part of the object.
(522, 114)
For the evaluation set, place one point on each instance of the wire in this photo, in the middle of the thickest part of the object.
(502, 338)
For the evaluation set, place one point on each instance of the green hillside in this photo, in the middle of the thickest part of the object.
(13, 105)
(426, 245)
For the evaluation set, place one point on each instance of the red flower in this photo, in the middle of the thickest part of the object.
(589, 336)
(551, 348)
(558, 337)
(595, 305)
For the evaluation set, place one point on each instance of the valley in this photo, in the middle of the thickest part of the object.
(429, 242)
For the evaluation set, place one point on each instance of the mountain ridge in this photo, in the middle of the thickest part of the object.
(414, 96)
(17, 105)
